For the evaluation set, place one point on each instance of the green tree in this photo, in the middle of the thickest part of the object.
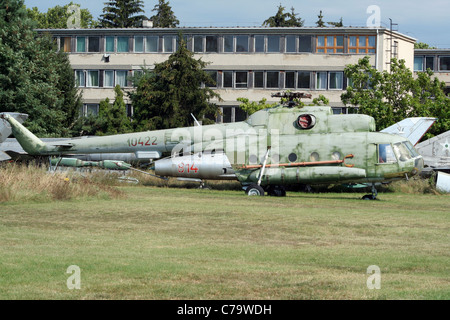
(111, 118)
(337, 24)
(116, 114)
(320, 23)
(422, 45)
(56, 17)
(164, 17)
(392, 96)
(251, 106)
(166, 96)
(122, 14)
(284, 19)
(34, 77)
(320, 101)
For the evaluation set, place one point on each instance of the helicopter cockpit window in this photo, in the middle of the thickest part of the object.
(411, 149)
(402, 152)
(386, 154)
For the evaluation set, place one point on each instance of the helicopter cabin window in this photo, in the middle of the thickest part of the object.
(386, 154)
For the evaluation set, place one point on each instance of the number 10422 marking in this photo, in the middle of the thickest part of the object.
(142, 141)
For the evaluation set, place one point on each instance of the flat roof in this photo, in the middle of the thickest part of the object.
(224, 30)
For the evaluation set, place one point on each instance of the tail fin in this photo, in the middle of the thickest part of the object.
(29, 142)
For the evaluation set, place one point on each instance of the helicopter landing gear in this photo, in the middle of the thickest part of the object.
(275, 191)
(254, 190)
(372, 196)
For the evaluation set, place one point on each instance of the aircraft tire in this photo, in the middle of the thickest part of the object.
(369, 197)
(254, 190)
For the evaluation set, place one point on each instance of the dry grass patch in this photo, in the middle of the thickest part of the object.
(24, 183)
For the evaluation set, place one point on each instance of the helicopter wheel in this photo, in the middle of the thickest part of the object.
(372, 196)
(369, 197)
(254, 190)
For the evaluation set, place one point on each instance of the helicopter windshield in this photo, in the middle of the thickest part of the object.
(402, 151)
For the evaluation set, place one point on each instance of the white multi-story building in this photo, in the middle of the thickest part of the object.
(250, 62)
(437, 60)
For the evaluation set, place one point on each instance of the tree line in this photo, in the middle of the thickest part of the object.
(37, 79)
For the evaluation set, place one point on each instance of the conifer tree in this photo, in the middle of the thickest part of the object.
(164, 17)
(320, 22)
(284, 19)
(122, 14)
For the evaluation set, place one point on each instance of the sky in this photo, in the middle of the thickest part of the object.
(426, 21)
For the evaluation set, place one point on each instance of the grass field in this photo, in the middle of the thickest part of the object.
(175, 243)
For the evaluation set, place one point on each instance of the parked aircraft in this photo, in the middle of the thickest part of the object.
(273, 148)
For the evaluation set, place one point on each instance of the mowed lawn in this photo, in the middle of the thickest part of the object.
(174, 243)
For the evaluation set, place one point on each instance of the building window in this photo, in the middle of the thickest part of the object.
(304, 44)
(272, 79)
(336, 81)
(92, 78)
(259, 79)
(109, 44)
(266, 79)
(362, 44)
(151, 44)
(139, 44)
(241, 43)
(228, 79)
(168, 43)
(91, 110)
(122, 44)
(259, 43)
(93, 44)
(418, 63)
(211, 44)
(81, 44)
(273, 43)
(291, 44)
(198, 43)
(289, 80)
(297, 80)
(121, 78)
(235, 43)
(237, 79)
(321, 80)
(228, 43)
(79, 78)
(330, 44)
(108, 79)
(429, 63)
(65, 44)
(303, 80)
(444, 63)
(213, 75)
(241, 79)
